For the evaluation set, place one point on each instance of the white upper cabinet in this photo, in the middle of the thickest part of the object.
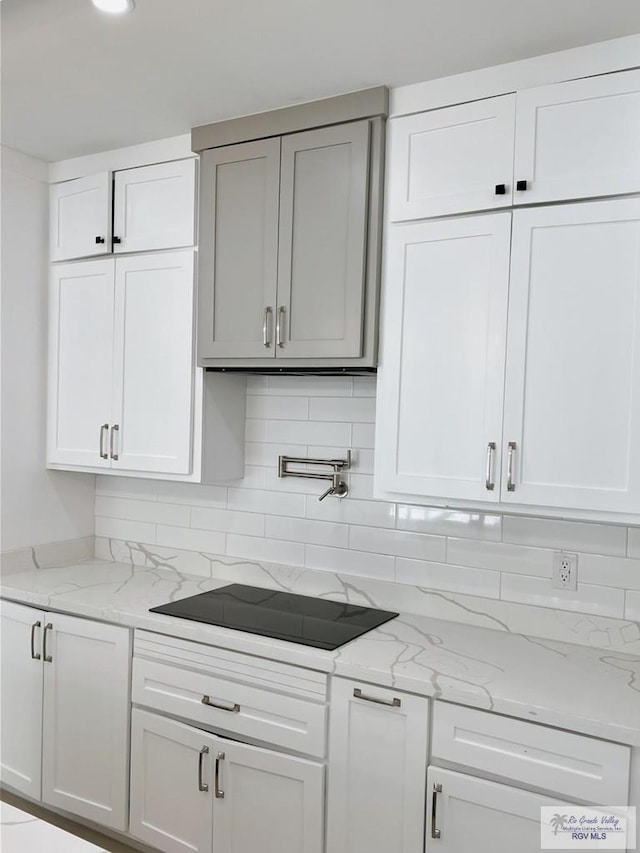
(454, 159)
(152, 412)
(80, 362)
(80, 217)
(154, 207)
(578, 139)
(572, 399)
(440, 384)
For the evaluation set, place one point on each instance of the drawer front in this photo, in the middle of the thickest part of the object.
(232, 707)
(571, 765)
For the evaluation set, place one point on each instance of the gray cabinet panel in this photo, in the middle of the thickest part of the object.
(323, 225)
(239, 198)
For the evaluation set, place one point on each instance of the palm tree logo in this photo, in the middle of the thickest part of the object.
(557, 822)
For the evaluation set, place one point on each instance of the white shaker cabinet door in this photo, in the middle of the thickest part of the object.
(171, 784)
(153, 363)
(467, 814)
(86, 719)
(154, 207)
(440, 382)
(21, 697)
(377, 769)
(572, 391)
(578, 139)
(451, 160)
(80, 363)
(80, 217)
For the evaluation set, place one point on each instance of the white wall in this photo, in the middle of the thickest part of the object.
(37, 506)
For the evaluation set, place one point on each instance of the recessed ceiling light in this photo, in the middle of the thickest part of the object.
(114, 7)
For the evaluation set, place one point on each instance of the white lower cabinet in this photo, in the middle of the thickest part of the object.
(65, 712)
(377, 769)
(194, 791)
(465, 813)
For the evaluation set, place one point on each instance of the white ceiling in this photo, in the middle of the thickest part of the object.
(75, 81)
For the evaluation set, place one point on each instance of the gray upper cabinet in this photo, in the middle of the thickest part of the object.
(289, 250)
(238, 250)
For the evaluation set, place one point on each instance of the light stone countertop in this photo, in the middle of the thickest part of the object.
(583, 689)
(21, 832)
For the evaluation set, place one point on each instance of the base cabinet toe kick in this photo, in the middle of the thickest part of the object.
(189, 747)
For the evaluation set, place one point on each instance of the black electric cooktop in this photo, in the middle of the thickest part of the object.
(282, 615)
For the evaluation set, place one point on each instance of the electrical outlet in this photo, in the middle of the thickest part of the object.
(565, 570)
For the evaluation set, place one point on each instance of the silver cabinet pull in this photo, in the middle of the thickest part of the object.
(202, 786)
(394, 703)
(266, 327)
(218, 790)
(435, 832)
(34, 655)
(511, 486)
(102, 451)
(114, 429)
(280, 326)
(47, 658)
(234, 709)
(488, 480)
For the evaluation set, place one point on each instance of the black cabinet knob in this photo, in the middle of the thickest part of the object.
(521, 186)
(501, 189)
(117, 240)
(99, 239)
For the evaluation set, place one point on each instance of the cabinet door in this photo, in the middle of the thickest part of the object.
(21, 698)
(238, 258)
(572, 392)
(323, 226)
(578, 139)
(452, 160)
(440, 383)
(153, 363)
(86, 719)
(154, 207)
(473, 814)
(377, 770)
(171, 784)
(266, 801)
(80, 363)
(80, 217)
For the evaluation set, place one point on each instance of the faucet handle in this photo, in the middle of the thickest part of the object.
(330, 491)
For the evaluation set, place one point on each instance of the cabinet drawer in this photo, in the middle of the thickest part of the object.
(571, 765)
(227, 705)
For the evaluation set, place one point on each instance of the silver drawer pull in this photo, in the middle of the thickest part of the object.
(435, 832)
(34, 655)
(234, 709)
(488, 480)
(219, 791)
(114, 429)
(266, 327)
(202, 786)
(103, 432)
(511, 486)
(394, 703)
(280, 326)
(47, 658)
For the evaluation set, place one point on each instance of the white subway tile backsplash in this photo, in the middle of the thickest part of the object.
(278, 408)
(255, 430)
(120, 528)
(450, 522)
(363, 436)
(609, 571)
(397, 543)
(209, 541)
(152, 511)
(307, 531)
(364, 386)
(352, 511)
(450, 578)
(311, 386)
(270, 550)
(352, 409)
(192, 494)
(599, 600)
(274, 503)
(308, 432)
(500, 557)
(127, 487)
(227, 521)
(632, 608)
(633, 544)
(260, 453)
(569, 535)
(349, 562)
